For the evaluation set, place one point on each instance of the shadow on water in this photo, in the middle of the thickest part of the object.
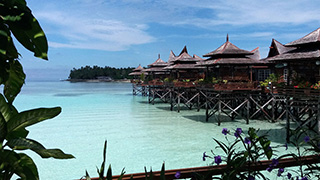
(167, 108)
(143, 102)
(202, 118)
(275, 135)
(127, 94)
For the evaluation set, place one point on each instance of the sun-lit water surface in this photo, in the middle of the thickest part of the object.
(139, 134)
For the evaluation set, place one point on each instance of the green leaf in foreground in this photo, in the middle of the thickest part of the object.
(23, 143)
(30, 117)
(15, 81)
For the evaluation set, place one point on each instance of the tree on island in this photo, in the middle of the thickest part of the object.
(94, 72)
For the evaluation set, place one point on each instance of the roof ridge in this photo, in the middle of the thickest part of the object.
(254, 49)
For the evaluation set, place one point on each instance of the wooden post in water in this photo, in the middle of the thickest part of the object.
(287, 119)
(207, 107)
(219, 112)
(248, 108)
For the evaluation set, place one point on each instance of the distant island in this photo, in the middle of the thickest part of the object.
(99, 74)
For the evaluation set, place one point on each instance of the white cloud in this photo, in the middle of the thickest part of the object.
(87, 32)
(116, 25)
(248, 12)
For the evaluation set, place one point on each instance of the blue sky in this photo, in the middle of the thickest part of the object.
(126, 33)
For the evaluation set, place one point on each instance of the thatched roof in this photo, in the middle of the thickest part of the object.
(277, 48)
(255, 55)
(155, 69)
(227, 49)
(231, 61)
(229, 54)
(183, 67)
(138, 71)
(158, 63)
(183, 61)
(172, 57)
(313, 37)
(297, 55)
(304, 49)
(139, 68)
(197, 57)
(185, 58)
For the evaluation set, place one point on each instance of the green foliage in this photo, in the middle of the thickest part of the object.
(305, 142)
(102, 168)
(246, 149)
(142, 77)
(249, 149)
(16, 18)
(148, 175)
(88, 72)
(273, 78)
(13, 137)
(215, 80)
(168, 79)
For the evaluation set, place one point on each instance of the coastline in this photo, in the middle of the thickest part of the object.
(97, 80)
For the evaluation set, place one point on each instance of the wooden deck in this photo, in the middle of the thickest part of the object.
(241, 100)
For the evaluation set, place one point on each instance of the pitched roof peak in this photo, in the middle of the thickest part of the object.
(184, 50)
(228, 48)
(313, 37)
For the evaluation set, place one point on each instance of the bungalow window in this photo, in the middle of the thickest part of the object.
(263, 74)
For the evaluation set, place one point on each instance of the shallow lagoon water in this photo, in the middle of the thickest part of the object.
(139, 134)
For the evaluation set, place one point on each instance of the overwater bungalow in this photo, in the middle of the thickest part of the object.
(156, 70)
(137, 72)
(300, 59)
(239, 95)
(139, 75)
(184, 66)
(232, 64)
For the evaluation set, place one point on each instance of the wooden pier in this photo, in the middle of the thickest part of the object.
(300, 108)
(140, 89)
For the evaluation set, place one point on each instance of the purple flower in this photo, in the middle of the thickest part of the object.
(306, 139)
(269, 169)
(250, 177)
(274, 163)
(177, 175)
(289, 175)
(204, 156)
(304, 178)
(225, 131)
(247, 140)
(280, 171)
(238, 132)
(217, 159)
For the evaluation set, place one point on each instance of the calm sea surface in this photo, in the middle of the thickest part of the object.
(138, 134)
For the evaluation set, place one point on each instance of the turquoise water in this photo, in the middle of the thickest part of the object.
(138, 134)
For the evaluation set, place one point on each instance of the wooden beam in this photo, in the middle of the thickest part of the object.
(220, 169)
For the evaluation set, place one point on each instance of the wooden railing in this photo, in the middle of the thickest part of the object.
(235, 86)
(299, 91)
(220, 169)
